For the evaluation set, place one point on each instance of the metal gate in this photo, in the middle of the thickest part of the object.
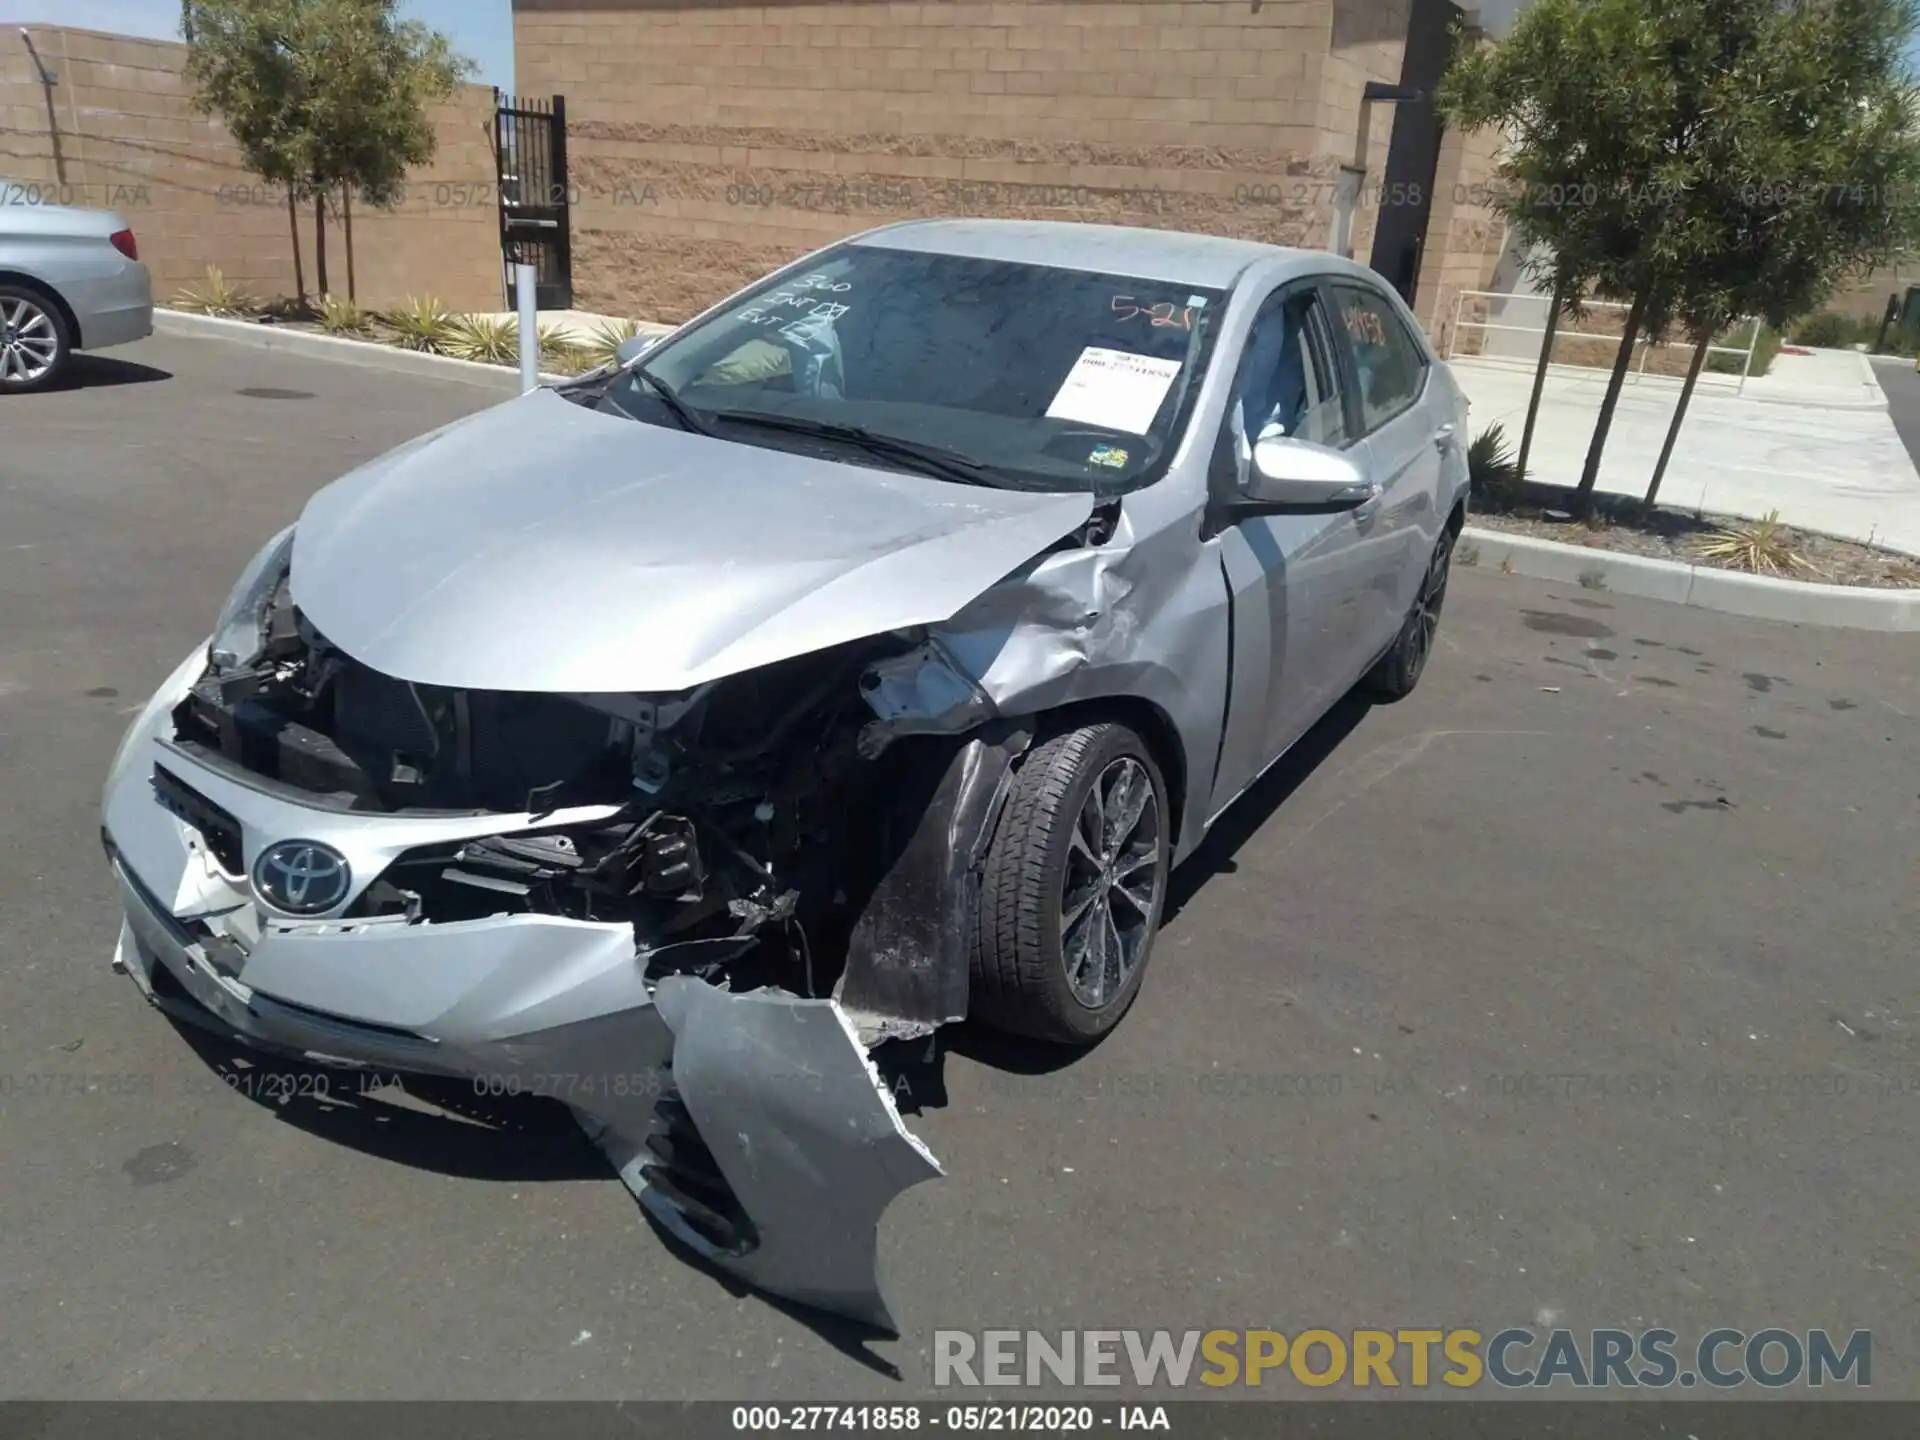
(530, 146)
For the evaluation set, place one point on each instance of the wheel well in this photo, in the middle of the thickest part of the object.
(52, 296)
(1457, 521)
(1150, 723)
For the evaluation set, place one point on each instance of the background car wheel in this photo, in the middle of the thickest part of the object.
(34, 343)
(1075, 880)
(1399, 670)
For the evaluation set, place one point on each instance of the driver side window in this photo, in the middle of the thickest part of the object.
(1287, 384)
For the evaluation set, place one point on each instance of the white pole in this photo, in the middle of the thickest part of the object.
(523, 276)
(1746, 368)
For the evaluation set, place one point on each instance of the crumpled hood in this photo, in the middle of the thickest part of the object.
(542, 546)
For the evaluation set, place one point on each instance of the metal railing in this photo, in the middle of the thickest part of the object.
(1737, 383)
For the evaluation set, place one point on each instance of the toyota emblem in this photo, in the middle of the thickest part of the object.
(301, 877)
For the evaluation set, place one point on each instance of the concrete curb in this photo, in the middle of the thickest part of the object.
(1846, 607)
(1801, 402)
(330, 347)
(1867, 377)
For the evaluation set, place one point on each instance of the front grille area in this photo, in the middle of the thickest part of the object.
(378, 714)
(491, 750)
(219, 830)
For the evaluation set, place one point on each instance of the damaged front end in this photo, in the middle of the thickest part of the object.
(750, 829)
(748, 885)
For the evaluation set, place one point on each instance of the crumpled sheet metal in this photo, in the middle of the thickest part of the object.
(805, 1133)
(1124, 619)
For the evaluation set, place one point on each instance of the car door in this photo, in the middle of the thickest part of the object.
(1297, 578)
(1408, 441)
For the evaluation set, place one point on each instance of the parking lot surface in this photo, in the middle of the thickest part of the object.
(1577, 989)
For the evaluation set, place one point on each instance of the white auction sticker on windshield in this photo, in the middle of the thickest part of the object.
(1114, 390)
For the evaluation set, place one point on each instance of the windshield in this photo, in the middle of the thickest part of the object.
(1042, 377)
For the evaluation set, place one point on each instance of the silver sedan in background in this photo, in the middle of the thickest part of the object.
(858, 659)
(70, 279)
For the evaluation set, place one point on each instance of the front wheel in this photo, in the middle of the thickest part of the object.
(1400, 669)
(1074, 883)
(34, 343)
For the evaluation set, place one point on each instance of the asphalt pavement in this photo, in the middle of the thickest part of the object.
(1577, 989)
(1900, 381)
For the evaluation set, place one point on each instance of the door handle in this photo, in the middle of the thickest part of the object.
(1443, 437)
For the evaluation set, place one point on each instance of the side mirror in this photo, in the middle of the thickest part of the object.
(632, 349)
(1298, 472)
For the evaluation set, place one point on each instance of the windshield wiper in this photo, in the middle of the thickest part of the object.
(682, 411)
(928, 460)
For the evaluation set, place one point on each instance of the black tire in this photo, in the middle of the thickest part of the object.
(1021, 982)
(29, 324)
(1400, 669)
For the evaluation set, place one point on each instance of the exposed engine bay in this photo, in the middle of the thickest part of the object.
(759, 819)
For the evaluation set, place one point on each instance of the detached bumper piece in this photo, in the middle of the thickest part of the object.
(778, 1150)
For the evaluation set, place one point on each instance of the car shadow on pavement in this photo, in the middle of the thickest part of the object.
(1257, 805)
(424, 1121)
(101, 372)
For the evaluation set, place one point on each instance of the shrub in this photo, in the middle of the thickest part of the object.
(493, 340)
(343, 317)
(1493, 473)
(1760, 548)
(422, 323)
(217, 296)
(603, 345)
(562, 356)
(1830, 330)
(1764, 350)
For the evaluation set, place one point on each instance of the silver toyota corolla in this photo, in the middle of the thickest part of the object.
(70, 279)
(859, 658)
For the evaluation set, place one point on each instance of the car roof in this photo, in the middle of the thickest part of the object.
(1211, 262)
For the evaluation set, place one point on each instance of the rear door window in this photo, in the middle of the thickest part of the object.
(1388, 363)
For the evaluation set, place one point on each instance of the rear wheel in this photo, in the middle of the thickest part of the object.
(1074, 883)
(1400, 669)
(34, 343)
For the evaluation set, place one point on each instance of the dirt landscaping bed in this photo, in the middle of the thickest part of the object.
(1682, 536)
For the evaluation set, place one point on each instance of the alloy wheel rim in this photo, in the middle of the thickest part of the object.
(1112, 883)
(1426, 611)
(28, 341)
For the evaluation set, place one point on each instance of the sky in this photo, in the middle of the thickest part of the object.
(482, 30)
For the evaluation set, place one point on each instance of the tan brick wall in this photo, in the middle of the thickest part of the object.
(124, 136)
(711, 141)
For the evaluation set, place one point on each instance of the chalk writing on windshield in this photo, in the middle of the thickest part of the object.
(786, 307)
(1163, 314)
